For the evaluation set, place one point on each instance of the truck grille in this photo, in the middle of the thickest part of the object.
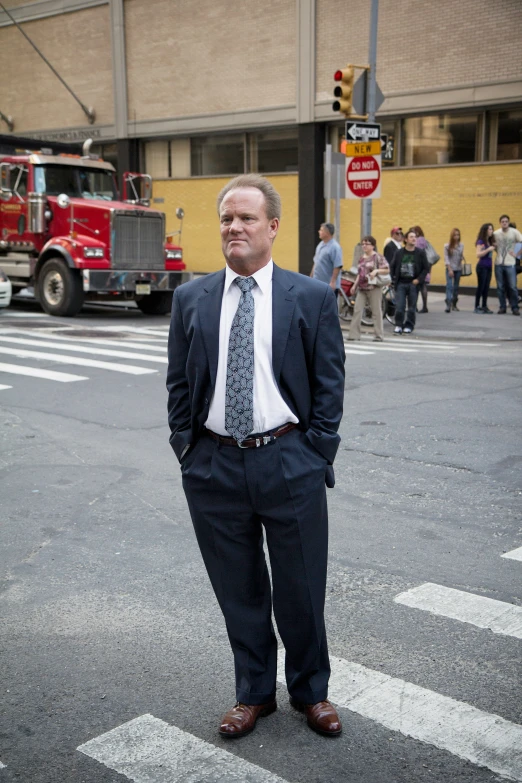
(137, 240)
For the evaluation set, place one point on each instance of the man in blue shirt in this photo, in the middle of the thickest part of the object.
(328, 258)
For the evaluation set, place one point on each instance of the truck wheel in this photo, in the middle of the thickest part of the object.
(158, 303)
(60, 290)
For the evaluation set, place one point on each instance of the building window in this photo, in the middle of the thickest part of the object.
(107, 152)
(273, 151)
(440, 139)
(217, 155)
(509, 135)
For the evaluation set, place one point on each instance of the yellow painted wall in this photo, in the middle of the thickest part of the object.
(200, 239)
(438, 199)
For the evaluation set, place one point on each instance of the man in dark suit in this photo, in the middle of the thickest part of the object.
(256, 386)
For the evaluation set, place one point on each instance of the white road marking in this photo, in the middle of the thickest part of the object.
(84, 349)
(33, 372)
(441, 343)
(90, 340)
(380, 347)
(515, 554)
(148, 750)
(15, 314)
(62, 359)
(358, 353)
(134, 330)
(478, 610)
(2, 766)
(2, 387)
(483, 738)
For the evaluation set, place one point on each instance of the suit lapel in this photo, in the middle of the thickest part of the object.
(209, 306)
(283, 304)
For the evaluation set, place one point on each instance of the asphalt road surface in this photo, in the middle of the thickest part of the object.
(115, 664)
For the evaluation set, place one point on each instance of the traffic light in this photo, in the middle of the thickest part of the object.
(344, 91)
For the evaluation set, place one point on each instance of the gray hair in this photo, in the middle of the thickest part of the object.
(329, 227)
(272, 197)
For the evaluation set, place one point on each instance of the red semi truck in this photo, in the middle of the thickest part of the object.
(64, 230)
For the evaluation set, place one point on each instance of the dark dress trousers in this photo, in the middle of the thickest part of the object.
(234, 493)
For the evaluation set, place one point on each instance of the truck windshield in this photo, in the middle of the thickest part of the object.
(75, 182)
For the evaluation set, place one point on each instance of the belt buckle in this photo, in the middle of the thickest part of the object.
(240, 442)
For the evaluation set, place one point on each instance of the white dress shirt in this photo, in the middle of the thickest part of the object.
(270, 410)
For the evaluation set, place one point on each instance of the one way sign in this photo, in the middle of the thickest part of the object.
(362, 131)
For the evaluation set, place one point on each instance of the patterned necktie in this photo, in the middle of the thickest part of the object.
(239, 395)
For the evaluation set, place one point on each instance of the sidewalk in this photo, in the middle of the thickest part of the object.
(464, 325)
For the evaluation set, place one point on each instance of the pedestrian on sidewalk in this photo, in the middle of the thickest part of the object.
(484, 247)
(369, 293)
(422, 243)
(393, 243)
(255, 395)
(328, 258)
(506, 239)
(408, 271)
(453, 258)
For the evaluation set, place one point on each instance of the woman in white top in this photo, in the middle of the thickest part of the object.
(453, 258)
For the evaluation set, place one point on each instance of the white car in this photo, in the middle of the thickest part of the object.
(5, 290)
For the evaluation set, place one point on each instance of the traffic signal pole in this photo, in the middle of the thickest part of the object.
(366, 204)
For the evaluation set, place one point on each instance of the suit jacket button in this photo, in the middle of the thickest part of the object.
(206, 401)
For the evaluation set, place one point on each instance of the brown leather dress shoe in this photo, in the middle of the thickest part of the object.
(321, 717)
(241, 719)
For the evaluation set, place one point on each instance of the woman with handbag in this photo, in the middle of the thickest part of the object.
(453, 258)
(373, 272)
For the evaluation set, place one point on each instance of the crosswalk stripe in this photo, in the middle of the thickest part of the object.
(135, 330)
(515, 554)
(34, 372)
(15, 314)
(90, 340)
(353, 352)
(480, 737)
(478, 610)
(63, 359)
(84, 349)
(2, 387)
(380, 347)
(148, 750)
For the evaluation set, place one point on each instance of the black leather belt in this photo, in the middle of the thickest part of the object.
(254, 441)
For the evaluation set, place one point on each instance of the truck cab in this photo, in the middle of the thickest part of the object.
(65, 231)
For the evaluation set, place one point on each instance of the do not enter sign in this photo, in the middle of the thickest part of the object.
(363, 177)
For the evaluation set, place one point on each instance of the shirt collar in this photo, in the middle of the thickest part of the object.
(263, 277)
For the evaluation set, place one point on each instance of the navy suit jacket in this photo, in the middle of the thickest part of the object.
(307, 357)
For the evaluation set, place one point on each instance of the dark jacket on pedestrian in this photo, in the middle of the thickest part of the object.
(420, 264)
(390, 251)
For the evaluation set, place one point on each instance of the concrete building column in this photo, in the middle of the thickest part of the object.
(311, 145)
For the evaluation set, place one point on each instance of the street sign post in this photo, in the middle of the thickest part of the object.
(362, 131)
(363, 176)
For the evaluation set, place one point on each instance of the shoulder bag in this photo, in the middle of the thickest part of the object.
(431, 254)
(381, 279)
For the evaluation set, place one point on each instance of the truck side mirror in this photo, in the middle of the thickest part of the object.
(5, 181)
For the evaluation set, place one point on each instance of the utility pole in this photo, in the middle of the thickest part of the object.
(366, 204)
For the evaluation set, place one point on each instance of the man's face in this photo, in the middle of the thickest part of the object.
(397, 235)
(246, 232)
(324, 234)
(410, 240)
(504, 223)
